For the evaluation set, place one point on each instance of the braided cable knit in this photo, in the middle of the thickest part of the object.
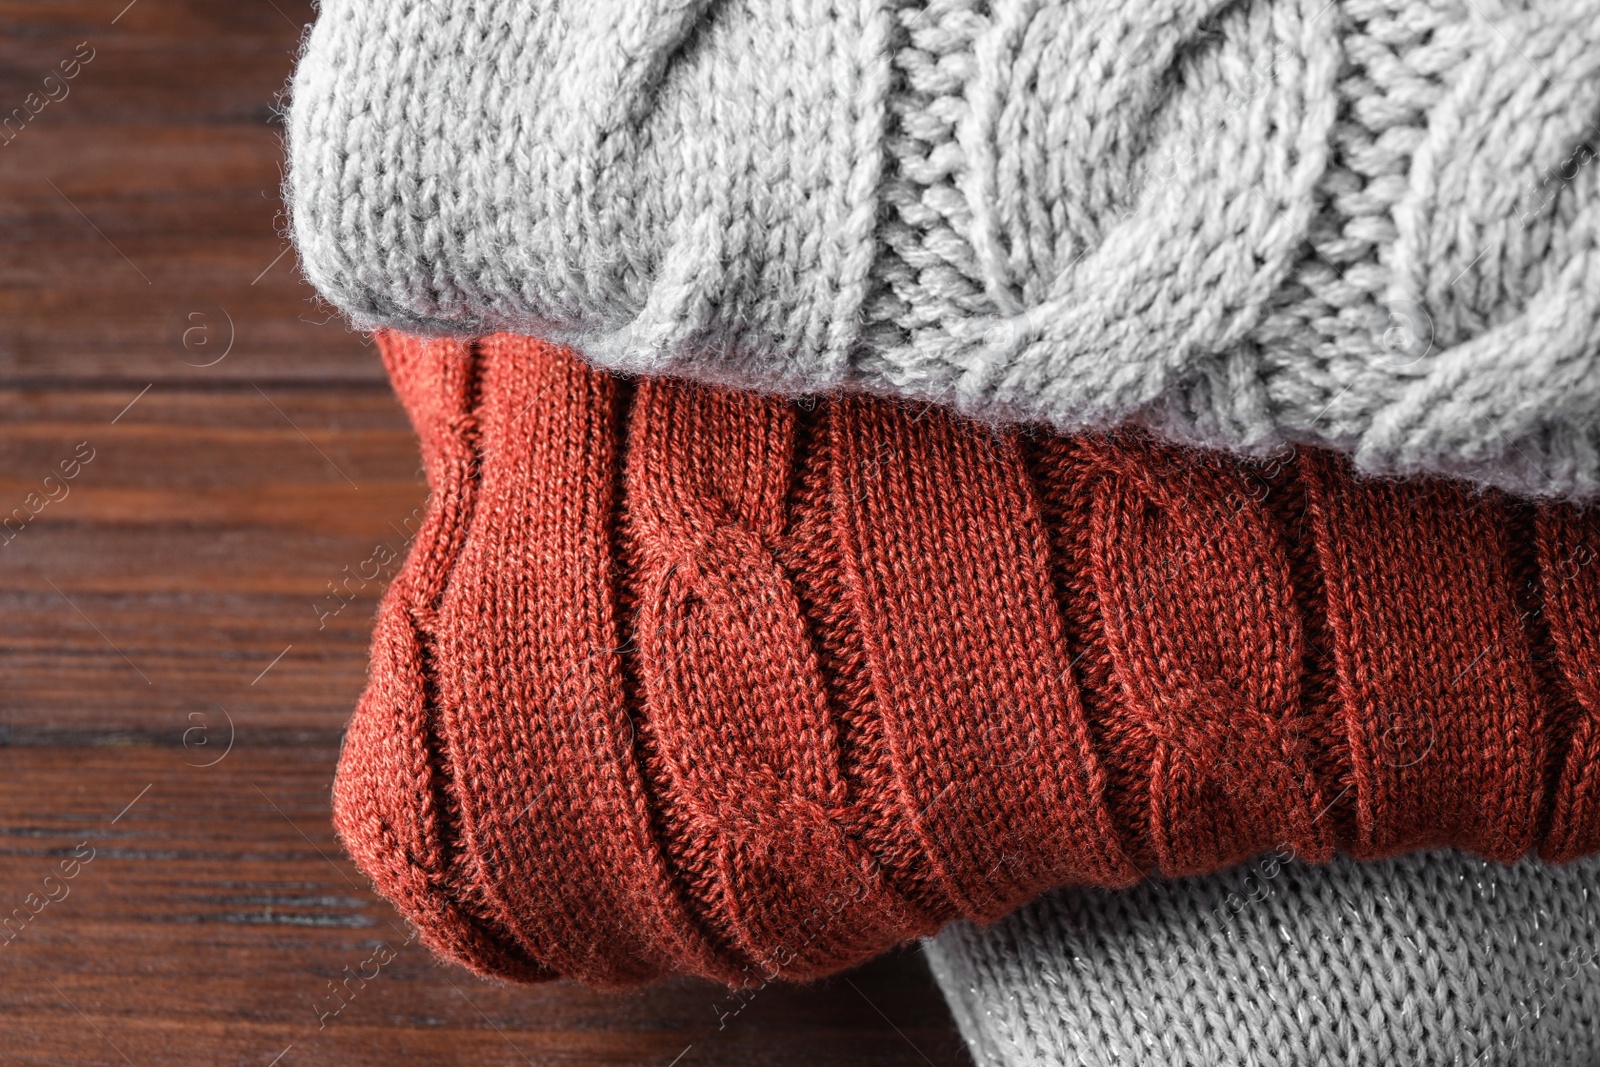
(741, 732)
(679, 680)
(1372, 225)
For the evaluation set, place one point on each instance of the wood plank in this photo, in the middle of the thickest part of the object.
(207, 532)
(148, 193)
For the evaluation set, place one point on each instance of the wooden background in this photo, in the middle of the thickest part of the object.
(170, 701)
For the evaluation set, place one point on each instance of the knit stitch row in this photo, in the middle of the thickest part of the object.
(1372, 225)
(678, 680)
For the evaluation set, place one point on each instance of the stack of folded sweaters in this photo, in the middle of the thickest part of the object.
(1098, 482)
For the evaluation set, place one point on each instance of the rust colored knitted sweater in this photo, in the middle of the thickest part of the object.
(678, 680)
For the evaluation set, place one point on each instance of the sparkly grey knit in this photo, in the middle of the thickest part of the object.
(1424, 961)
(1370, 224)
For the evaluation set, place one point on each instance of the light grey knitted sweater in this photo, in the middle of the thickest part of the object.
(1425, 961)
(1370, 224)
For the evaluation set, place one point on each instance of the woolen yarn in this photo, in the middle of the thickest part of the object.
(1429, 960)
(682, 680)
(1372, 225)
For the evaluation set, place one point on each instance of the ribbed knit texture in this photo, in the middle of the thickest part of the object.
(1427, 961)
(683, 680)
(1367, 224)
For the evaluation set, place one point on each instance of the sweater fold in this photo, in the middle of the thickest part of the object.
(679, 680)
(1366, 225)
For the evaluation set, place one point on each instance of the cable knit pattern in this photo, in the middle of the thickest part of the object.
(1433, 960)
(1372, 225)
(678, 680)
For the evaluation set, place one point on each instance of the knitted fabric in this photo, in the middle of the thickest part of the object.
(1367, 224)
(1429, 961)
(682, 680)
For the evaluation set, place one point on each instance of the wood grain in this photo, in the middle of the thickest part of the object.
(174, 671)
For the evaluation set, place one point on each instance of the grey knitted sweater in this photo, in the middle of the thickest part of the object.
(1426, 961)
(1370, 224)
